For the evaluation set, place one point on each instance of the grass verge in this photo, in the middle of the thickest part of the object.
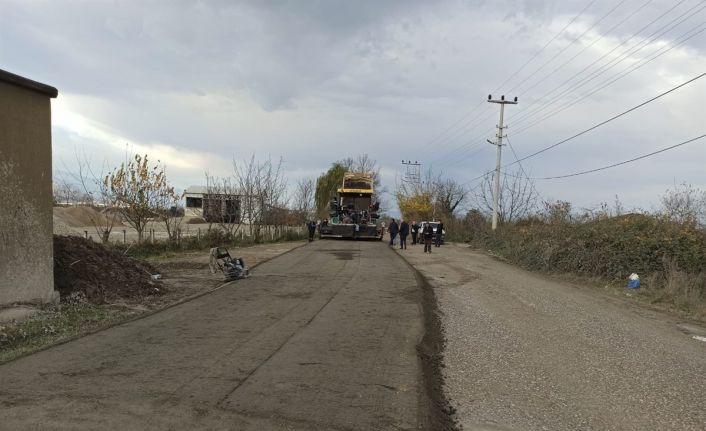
(55, 324)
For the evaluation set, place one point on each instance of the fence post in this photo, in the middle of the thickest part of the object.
(124, 236)
(198, 235)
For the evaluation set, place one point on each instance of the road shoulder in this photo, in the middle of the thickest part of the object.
(185, 276)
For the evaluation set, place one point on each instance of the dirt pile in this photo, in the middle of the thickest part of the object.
(80, 216)
(86, 268)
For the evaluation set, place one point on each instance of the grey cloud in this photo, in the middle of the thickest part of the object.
(319, 80)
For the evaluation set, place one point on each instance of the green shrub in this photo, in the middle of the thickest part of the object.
(670, 257)
(208, 239)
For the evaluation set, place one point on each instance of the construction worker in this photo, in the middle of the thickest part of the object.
(427, 234)
(312, 229)
(404, 231)
(439, 233)
(415, 232)
(394, 230)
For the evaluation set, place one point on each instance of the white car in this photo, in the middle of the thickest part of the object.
(434, 226)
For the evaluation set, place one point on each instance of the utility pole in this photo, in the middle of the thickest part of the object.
(496, 196)
(413, 172)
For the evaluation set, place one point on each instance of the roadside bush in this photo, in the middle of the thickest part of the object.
(208, 239)
(669, 256)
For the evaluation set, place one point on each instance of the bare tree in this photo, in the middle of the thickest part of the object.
(303, 202)
(448, 195)
(65, 192)
(222, 204)
(93, 184)
(684, 203)
(272, 191)
(518, 198)
(263, 189)
(169, 209)
(557, 212)
(246, 174)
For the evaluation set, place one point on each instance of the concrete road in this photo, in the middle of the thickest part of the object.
(322, 338)
(524, 352)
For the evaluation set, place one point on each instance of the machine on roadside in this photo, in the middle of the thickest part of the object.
(353, 214)
(221, 260)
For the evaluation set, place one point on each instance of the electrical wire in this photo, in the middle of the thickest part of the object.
(602, 123)
(561, 51)
(615, 117)
(609, 31)
(624, 162)
(465, 153)
(522, 169)
(528, 113)
(610, 81)
(536, 54)
(570, 87)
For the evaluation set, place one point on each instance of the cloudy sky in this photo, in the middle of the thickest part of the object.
(196, 83)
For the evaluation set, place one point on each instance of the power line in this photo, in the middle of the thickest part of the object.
(524, 115)
(561, 51)
(615, 117)
(644, 156)
(522, 169)
(473, 122)
(618, 24)
(465, 153)
(602, 123)
(610, 81)
(536, 54)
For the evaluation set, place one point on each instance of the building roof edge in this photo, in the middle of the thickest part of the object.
(20, 81)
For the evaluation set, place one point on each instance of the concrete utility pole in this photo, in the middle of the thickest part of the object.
(413, 172)
(499, 143)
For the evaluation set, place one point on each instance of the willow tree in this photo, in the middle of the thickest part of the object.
(326, 187)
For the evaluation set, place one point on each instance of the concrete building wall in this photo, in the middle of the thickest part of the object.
(26, 256)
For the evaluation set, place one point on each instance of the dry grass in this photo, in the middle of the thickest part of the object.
(670, 257)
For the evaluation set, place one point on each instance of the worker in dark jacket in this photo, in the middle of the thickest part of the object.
(439, 233)
(394, 230)
(415, 232)
(312, 229)
(404, 231)
(427, 234)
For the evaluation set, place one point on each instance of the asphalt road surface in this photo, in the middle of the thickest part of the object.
(322, 338)
(525, 352)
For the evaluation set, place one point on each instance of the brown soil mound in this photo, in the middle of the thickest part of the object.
(79, 216)
(82, 266)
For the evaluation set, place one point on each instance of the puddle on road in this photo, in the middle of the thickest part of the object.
(343, 254)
